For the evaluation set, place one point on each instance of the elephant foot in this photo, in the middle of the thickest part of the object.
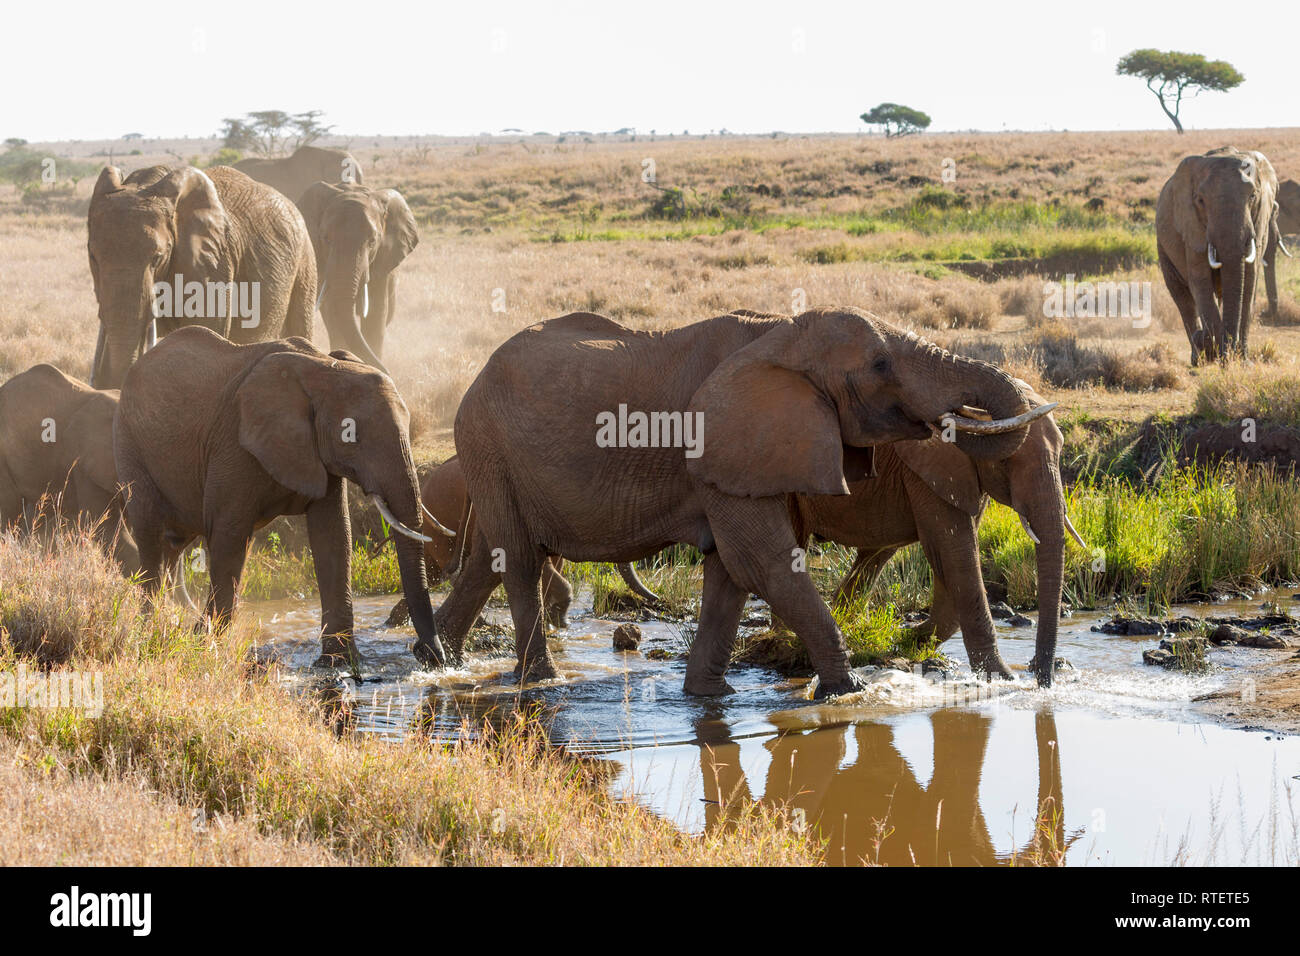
(399, 615)
(539, 669)
(430, 653)
(989, 665)
(850, 683)
(708, 687)
(335, 657)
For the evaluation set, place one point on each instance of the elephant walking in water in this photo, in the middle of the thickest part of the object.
(361, 236)
(933, 493)
(584, 438)
(264, 430)
(1216, 224)
(175, 247)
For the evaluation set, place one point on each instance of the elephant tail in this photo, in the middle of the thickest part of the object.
(462, 543)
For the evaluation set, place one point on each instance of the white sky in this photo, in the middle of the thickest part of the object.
(90, 71)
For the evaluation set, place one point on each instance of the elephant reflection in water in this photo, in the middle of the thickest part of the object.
(874, 810)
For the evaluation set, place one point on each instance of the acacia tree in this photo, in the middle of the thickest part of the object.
(271, 132)
(1169, 74)
(898, 120)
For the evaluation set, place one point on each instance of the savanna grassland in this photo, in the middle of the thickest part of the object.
(950, 235)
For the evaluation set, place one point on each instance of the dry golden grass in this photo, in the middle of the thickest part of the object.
(187, 717)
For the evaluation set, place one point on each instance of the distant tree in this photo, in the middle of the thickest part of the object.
(1169, 74)
(130, 136)
(898, 120)
(15, 142)
(272, 132)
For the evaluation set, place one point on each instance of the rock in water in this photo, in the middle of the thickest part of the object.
(627, 637)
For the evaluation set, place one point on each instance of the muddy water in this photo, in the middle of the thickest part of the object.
(912, 770)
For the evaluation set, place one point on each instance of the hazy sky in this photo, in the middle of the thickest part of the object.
(87, 71)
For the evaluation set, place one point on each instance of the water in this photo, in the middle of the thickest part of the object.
(912, 770)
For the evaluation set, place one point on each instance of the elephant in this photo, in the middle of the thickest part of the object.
(268, 429)
(931, 492)
(56, 439)
(361, 235)
(173, 247)
(1288, 202)
(555, 463)
(1214, 218)
(442, 493)
(292, 175)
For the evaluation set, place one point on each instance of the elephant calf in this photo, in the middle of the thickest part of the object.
(929, 491)
(56, 439)
(216, 439)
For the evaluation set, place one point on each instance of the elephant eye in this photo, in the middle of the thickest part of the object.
(880, 365)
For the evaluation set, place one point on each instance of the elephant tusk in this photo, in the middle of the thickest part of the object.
(1250, 257)
(365, 301)
(1282, 245)
(320, 294)
(1074, 534)
(1024, 523)
(998, 426)
(1213, 257)
(396, 525)
(150, 335)
(437, 525)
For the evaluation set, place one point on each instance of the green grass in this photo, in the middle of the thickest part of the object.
(273, 572)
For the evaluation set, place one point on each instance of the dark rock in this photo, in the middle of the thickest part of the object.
(897, 663)
(1170, 651)
(1019, 620)
(939, 666)
(1130, 626)
(1226, 634)
(996, 591)
(1059, 666)
(757, 619)
(627, 637)
(1267, 641)
(1159, 657)
(661, 654)
(1001, 611)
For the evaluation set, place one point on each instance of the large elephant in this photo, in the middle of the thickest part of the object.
(292, 175)
(264, 430)
(585, 438)
(174, 247)
(931, 492)
(56, 440)
(361, 236)
(1215, 218)
(444, 497)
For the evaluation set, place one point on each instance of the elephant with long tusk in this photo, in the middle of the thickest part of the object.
(931, 492)
(585, 438)
(1215, 216)
(268, 429)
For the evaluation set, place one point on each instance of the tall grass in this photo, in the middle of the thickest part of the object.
(189, 717)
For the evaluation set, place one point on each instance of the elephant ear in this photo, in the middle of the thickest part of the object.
(400, 235)
(947, 470)
(201, 221)
(765, 430)
(1187, 216)
(109, 181)
(276, 424)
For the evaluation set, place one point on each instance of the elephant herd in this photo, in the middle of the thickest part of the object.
(744, 435)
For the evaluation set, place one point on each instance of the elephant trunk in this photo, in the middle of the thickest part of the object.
(1047, 519)
(345, 278)
(125, 317)
(953, 381)
(1234, 282)
(403, 502)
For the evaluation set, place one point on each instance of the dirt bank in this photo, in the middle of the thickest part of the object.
(1265, 697)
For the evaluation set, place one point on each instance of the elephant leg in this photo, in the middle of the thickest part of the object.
(1271, 253)
(951, 543)
(862, 575)
(557, 593)
(523, 581)
(721, 606)
(11, 501)
(227, 552)
(330, 534)
(301, 315)
(1186, 304)
(474, 585)
(1215, 336)
(759, 550)
(143, 516)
